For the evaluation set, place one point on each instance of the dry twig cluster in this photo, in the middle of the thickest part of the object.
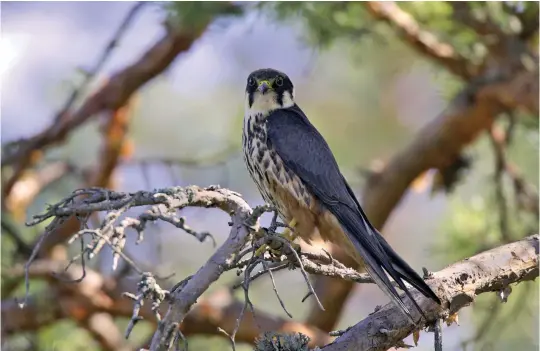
(386, 327)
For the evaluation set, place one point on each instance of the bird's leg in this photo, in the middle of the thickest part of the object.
(274, 223)
(289, 231)
(288, 234)
(271, 229)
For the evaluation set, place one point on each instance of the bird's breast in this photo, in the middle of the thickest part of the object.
(282, 188)
(277, 184)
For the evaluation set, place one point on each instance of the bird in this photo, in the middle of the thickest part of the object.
(297, 174)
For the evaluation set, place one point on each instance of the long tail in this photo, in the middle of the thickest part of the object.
(380, 259)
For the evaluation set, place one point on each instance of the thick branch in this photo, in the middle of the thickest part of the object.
(183, 299)
(31, 184)
(111, 96)
(457, 286)
(442, 140)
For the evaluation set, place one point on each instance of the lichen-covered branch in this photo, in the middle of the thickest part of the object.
(112, 230)
(164, 204)
(457, 286)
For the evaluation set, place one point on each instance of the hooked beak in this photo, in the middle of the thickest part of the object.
(264, 86)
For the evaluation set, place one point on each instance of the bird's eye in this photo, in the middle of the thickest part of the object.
(279, 81)
(251, 82)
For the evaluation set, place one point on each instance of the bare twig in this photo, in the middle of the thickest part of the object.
(53, 224)
(91, 73)
(269, 270)
(147, 289)
(302, 269)
(247, 301)
(178, 222)
(437, 330)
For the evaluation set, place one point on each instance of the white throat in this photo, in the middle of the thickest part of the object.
(264, 103)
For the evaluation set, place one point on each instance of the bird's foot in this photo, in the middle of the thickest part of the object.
(260, 251)
(288, 234)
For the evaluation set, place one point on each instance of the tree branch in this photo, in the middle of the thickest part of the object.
(182, 300)
(105, 54)
(457, 286)
(31, 184)
(111, 96)
(423, 41)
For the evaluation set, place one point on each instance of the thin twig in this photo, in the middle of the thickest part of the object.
(274, 267)
(83, 266)
(105, 55)
(32, 257)
(301, 266)
(438, 335)
(147, 288)
(269, 270)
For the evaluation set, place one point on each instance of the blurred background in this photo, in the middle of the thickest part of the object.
(430, 108)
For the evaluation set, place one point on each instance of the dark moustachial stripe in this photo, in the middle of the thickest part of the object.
(280, 99)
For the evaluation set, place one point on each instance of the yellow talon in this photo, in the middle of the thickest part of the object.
(260, 250)
(287, 233)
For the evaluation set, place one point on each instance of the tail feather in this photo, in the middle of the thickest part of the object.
(381, 279)
(407, 273)
(380, 259)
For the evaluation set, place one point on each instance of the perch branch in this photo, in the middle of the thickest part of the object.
(456, 285)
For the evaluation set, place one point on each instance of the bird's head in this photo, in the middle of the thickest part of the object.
(267, 90)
